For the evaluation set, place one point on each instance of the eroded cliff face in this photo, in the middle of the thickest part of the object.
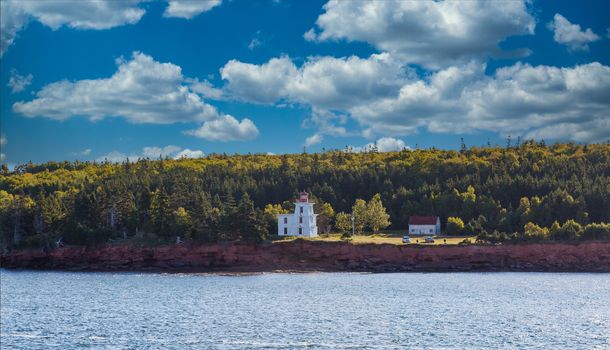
(320, 256)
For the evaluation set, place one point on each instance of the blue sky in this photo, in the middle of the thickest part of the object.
(92, 80)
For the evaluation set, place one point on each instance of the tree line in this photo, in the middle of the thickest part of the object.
(494, 192)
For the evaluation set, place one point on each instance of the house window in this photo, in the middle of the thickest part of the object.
(430, 230)
(285, 230)
(301, 210)
(300, 220)
(285, 220)
(300, 231)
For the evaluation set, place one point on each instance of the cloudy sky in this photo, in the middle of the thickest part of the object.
(91, 80)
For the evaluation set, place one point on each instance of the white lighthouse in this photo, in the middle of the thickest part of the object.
(302, 223)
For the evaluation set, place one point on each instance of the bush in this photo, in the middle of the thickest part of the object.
(455, 226)
(596, 231)
(533, 232)
(570, 230)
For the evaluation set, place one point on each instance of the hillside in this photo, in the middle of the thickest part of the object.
(495, 191)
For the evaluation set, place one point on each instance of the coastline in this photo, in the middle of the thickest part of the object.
(302, 256)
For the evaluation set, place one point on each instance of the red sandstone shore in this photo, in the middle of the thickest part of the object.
(303, 256)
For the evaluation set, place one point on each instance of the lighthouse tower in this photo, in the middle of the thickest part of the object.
(302, 223)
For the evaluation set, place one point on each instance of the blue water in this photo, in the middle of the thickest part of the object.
(61, 310)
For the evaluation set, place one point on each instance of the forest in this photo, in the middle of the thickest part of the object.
(524, 192)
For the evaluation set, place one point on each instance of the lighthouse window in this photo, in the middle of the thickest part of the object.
(300, 231)
(285, 220)
(300, 220)
(301, 210)
(285, 230)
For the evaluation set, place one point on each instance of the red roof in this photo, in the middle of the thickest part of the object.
(423, 220)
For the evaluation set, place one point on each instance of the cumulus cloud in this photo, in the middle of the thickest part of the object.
(85, 14)
(206, 89)
(226, 128)
(384, 144)
(189, 153)
(141, 91)
(431, 33)
(387, 99)
(325, 82)
(151, 152)
(313, 140)
(519, 100)
(82, 14)
(189, 8)
(570, 34)
(17, 82)
(327, 122)
(264, 83)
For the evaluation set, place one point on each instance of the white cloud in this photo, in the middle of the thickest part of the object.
(386, 99)
(157, 152)
(206, 89)
(142, 91)
(384, 144)
(264, 83)
(84, 152)
(85, 14)
(189, 153)
(117, 157)
(327, 122)
(17, 82)
(3, 141)
(313, 140)
(326, 82)
(431, 33)
(256, 41)
(151, 152)
(189, 8)
(226, 128)
(517, 100)
(571, 34)
(82, 14)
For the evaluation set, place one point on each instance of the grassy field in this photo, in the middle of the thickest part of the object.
(387, 237)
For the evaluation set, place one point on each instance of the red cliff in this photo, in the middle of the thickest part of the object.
(321, 256)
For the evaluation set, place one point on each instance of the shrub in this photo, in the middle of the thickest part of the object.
(570, 230)
(596, 231)
(455, 226)
(533, 232)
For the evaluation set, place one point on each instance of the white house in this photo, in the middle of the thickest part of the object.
(424, 225)
(302, 223)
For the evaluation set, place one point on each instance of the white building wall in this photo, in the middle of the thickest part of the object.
(426, 229)
(422, 229)
(301, 223)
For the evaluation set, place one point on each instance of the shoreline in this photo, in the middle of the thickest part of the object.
(302, 256)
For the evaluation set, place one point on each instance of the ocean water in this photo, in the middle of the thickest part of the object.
(70, 310)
